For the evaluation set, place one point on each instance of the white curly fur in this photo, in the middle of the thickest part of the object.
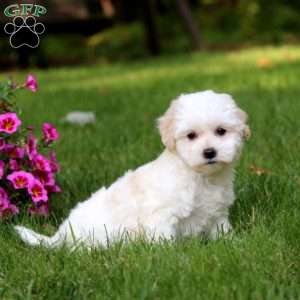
(181, 192)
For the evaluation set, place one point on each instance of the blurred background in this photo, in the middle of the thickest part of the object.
(105, 31)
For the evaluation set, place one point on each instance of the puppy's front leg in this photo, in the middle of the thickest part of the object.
(161, 232)
(220, 228)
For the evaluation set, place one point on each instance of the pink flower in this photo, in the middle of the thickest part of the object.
(50, 133)
(41, 163)
(14, 151)
(2, 144)
(46, 178)
(31, 83)
(2, 165)
(40, 209)
(3, 198)
(9, 123)
(37, 191)
(53, 188)
(6, 208)
(31, 146)
(20, 179)
(53, 162)
(14, 165)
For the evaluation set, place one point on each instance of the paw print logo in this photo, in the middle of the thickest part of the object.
(24, 32)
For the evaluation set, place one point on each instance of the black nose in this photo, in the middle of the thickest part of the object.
(209, 153)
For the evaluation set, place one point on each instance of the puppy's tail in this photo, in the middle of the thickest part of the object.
(34, 239)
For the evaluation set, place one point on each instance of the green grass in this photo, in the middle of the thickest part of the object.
(261, 261)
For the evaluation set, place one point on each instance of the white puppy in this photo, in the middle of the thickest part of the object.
(188, 189)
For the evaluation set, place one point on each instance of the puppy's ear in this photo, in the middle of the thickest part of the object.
(166, 126)
(244, 117)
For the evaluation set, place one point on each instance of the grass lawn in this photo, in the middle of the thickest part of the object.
(261, 261)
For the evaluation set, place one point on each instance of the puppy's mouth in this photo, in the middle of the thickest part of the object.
(211, 162)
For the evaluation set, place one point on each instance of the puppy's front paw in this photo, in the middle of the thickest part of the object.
(221, 228)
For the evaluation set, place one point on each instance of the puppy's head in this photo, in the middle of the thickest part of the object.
(205, 129)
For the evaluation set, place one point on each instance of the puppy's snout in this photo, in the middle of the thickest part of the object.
(209, 153)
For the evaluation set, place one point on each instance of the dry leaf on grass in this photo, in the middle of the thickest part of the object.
(259, 170)
(264, 63)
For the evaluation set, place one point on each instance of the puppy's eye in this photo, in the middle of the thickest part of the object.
(192, 135)
(220, 131)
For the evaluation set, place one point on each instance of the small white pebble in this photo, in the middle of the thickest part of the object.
(80, 117)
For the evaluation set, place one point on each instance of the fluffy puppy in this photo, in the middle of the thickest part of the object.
(187, 190)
